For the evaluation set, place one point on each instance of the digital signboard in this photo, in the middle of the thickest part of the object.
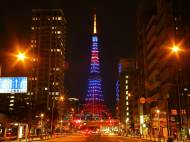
(13, 84)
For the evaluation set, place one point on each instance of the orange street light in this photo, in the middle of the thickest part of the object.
(62, 98)
(41, 115)
(176, 49)
(21, 56)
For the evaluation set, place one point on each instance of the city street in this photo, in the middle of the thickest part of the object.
(95, 71)
(94, 138)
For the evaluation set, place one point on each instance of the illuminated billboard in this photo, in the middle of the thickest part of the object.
(13, 84)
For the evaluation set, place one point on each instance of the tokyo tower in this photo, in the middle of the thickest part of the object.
(94, 106)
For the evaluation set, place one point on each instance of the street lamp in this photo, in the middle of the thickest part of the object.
(61, 126)
(158, 117)
(21, 56)
(41, 116)
(62, 98)
(176, 49)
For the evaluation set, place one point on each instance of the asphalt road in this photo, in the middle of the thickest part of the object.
(93, 138)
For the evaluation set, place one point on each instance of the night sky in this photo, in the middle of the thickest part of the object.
(116, 22)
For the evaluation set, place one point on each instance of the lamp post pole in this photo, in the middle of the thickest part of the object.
(176, 49)
(42, 116)
(158, 117)
(168, 116)
(178, 72)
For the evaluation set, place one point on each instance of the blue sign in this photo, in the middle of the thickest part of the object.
(13, 84)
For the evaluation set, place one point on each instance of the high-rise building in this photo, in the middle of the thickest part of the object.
(94, 107)
(127, 99)
(163, 75)
(46, 80)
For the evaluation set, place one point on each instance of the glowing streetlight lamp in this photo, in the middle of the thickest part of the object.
(21, 56)
(41, 115)
(158, 113)
(62, 98)
(178, 49)
(175, 49)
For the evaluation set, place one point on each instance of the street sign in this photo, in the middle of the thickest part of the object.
(13, 84)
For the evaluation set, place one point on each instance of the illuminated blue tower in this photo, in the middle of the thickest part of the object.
(94, 103)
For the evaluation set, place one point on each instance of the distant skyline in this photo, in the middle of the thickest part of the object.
(116, 22)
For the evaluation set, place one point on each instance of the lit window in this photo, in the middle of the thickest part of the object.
(126, 81)
(127, 103)
(58, 32)
(127, 119)
(52, 28)
(126, 87)
(57, 69)
(11, 101)
(33, 18)
(127, 108)
(58, 50)
(11, 104)
(126, 76)
(32, 28)
(59, 18)
(57, 93)
(127, 113)
(12, 97)
(127, 92)
(126, 97)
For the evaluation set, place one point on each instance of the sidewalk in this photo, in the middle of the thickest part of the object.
(38, 139)
(156, 139)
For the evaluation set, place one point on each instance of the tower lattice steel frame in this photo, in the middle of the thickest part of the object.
(94, 103)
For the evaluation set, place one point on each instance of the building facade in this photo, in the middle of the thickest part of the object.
(127, 99)
(46, 79)
(162, 73)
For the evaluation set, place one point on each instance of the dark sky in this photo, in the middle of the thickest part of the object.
(116, 21)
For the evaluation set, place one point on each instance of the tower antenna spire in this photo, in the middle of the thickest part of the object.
(94, 29)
